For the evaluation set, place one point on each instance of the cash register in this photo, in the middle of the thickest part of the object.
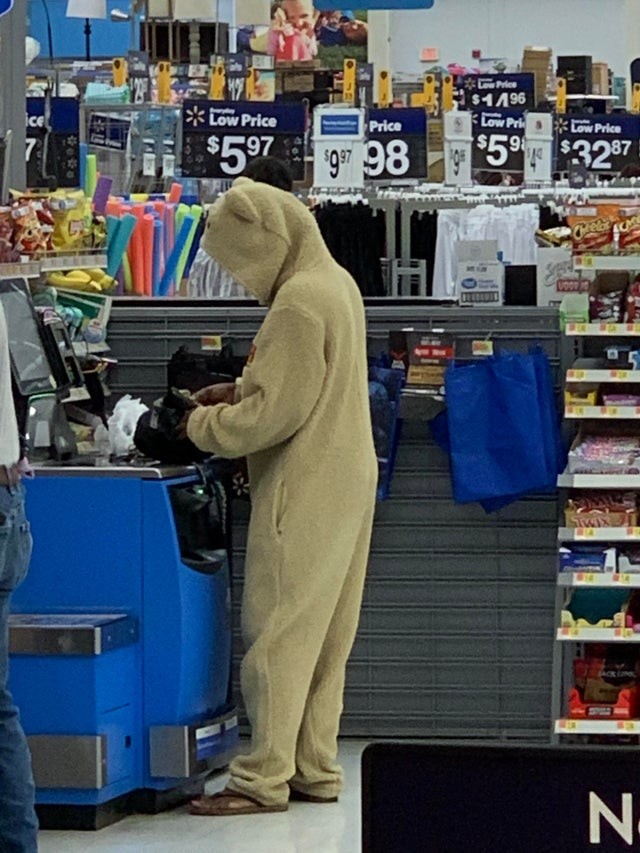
(120, 636)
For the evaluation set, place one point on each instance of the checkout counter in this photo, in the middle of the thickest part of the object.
(120, 638)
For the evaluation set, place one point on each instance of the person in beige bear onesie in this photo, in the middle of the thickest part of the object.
(301, 415)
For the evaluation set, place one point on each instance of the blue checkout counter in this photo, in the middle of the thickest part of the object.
(120, 642)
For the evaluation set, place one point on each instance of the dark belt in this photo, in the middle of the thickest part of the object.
(9, 475)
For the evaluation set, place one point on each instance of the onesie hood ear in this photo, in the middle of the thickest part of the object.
(262, 236)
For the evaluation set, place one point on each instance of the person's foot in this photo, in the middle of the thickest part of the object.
(231, 803)
(300, 797)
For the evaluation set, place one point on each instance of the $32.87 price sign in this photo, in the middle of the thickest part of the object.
(601, 143)
(498, 141)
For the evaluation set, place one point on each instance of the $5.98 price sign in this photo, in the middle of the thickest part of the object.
(498, 141)
(602, 143)
(219, 139)
(397, 144)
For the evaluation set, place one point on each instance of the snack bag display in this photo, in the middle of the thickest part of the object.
(28, 238)
(629, 230)
(8, 253)
(69, 231)
(607, 294)
(592, 232)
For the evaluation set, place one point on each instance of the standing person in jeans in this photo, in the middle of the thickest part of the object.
(18, 822)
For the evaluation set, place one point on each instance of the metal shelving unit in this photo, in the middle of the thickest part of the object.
(594, 372)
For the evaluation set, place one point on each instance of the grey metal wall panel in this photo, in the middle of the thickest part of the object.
(455, 638)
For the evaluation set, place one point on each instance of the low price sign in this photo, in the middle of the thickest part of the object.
(498, 141)
(63, 144)
(499, 91)
(220, 138)
(603, 143)
(397, 144)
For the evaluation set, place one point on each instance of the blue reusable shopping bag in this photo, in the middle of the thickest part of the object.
(501, 428)
(385, 387)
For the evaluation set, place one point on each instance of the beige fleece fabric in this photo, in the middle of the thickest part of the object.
(303, 420)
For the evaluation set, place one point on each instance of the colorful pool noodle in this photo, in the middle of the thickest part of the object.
(169, 233)
(117, 247)
(147, 244)
(136, 259)
(126, 272)
(196, 215)
(101, 194)
(174, 257)
(91, 175)
(158, 228)
(82, 171)
(175, 193)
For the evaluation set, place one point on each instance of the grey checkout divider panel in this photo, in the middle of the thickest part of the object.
(456, 631)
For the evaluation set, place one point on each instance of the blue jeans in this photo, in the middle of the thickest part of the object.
(18, 822)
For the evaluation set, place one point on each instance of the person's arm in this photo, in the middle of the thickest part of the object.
(287, 373)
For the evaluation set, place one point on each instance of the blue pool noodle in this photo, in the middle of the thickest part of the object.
(173, 259)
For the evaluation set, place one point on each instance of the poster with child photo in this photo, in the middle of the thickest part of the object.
(299, 33)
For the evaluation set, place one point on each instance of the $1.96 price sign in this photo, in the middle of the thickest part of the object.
(498, 141)
(498, 91)
(220, 138)
(396, 145)
(602, 143)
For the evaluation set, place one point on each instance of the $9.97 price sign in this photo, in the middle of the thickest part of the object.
(219, 139)
(338, 147)
(498, 141)
(396, 145)
(602, 143)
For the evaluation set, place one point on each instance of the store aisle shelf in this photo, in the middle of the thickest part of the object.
(614, 330)
(599, 534)
(599, 481)
(84, 261)
(597, 727)
(629, 580)
(592, 370)
(18, 270)
(606, 262)
(597, 635)
(602, 412)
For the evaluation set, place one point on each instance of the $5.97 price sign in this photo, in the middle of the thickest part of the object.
(396, 145)
(498, 141)
(602, 143)
(220, 138)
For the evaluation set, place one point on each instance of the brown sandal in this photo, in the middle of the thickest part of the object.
(298, 797)
(231, 803)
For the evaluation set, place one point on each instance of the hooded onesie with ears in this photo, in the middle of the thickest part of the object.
(303, 420)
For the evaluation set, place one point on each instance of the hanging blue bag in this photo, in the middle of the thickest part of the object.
(385, 388)
(496, 429)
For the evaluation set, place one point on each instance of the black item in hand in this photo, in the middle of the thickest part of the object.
(158, 431)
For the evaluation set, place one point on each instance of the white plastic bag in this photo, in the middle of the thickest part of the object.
(122, 424)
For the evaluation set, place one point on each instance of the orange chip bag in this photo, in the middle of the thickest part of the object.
(629, 230)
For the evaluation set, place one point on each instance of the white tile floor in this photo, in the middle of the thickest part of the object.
(303, 829)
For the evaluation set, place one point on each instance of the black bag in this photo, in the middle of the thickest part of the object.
(157, 433)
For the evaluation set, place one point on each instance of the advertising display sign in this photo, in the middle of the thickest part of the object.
(338, 147)
(498, 141)
(63, 148)
(220, 138)
(603, 143)
(498, 91)
(396, 144)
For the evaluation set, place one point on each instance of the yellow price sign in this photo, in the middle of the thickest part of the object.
(119, 67)
(217, 82)
(429, 92)
(384, 89)
(627, 725)
(164, 82)
(575, 375)
(349, 81)
(585, 533)
(482, 347)
(570, 725)
(447, 93)
(561, 95)
(635, 108)
(610, 411)
(611, 328)
(620, 374)
(635, 328)
(586, 261)
(581, 328)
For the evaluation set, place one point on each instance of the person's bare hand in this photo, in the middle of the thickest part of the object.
(225, 392)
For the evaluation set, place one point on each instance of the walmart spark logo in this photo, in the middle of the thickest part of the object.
(470, 83)
(194, 117)
(562, 125)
